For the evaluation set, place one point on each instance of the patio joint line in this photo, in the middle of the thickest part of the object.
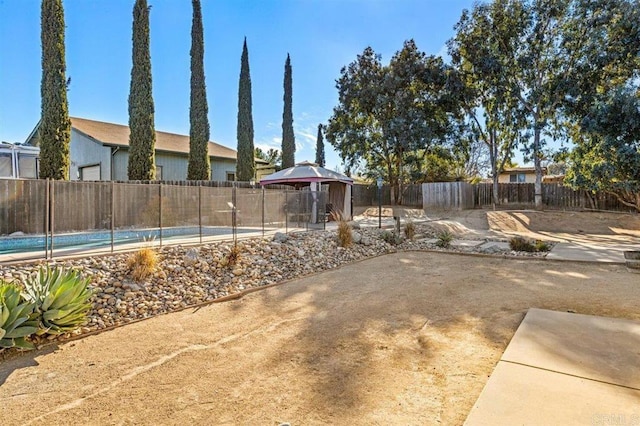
(570, 375)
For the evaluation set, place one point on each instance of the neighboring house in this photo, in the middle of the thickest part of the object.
(18, 161)
(519, 175)
(100, 151)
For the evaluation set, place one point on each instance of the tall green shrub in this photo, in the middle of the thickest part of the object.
(55, 125)
(320, 161)
(199, 166)
(142, 138)
(288, 138)
(245, 168)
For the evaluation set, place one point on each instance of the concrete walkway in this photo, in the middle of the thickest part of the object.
(610, 253)
(563, 368)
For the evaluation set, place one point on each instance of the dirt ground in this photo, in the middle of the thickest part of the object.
(407, 339)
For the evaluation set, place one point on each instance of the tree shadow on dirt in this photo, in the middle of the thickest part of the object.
(406, 312)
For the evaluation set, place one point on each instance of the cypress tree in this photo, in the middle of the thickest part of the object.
(199, 166)
(245, 168)
(55, 126)
(320, 148)
(142, 138)
(288, 138)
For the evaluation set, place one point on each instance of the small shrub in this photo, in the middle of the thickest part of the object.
(410, 230)
(390, 238)
(15, 315)
(142, 263)
(61, 299)
(444, 239)
(542, 246)
(345, 237)
(521, 244)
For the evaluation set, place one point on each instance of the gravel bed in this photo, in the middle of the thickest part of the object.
(189, 276)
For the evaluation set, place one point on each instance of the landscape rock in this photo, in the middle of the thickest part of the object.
(191, 257)
(190, 276)
(280, 237)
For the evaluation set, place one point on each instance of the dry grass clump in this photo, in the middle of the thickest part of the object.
(410, 230)
(231, 258)
(345, 237)
(143, 263)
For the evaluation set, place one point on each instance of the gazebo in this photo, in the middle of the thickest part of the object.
(310, 174)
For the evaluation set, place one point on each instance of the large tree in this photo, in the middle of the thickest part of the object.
(55, 126)
(272, 156)
(199, 167)
(320, 160)
(246, 167)
(386, 112)
(607, 153)
(493, 116)
(605, 100)
(142, 137)
(288, 137)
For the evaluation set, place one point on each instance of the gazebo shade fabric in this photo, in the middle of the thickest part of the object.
(305, 172)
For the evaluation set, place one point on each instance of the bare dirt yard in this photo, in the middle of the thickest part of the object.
(407, 338)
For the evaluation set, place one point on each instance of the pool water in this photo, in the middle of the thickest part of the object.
(27, 243)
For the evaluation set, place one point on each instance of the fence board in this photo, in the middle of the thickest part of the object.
(448, 195)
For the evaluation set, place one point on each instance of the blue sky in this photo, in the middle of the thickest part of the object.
(320, 35)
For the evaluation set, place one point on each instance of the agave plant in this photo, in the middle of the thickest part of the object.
(15, 324)
(61, 299)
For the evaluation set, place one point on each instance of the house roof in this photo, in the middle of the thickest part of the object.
(118, 135)
(522, 170)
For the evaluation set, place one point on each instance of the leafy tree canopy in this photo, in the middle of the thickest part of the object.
(387, 111)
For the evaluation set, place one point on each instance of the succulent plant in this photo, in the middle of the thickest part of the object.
(61, 299)
(15, 323)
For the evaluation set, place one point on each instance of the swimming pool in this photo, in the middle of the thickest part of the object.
(29, 243)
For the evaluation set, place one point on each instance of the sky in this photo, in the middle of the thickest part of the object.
(321, 36)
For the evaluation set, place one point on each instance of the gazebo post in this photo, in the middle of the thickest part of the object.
(314, 206)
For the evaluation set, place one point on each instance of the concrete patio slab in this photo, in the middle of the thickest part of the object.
(597, 348)
(522, 395)
(586, 253)
(564, 368)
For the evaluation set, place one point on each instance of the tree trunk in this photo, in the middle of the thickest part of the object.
(493, 155)
(537, 162)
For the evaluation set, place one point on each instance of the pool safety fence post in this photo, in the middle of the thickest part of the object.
(263, 211)
(113, 221)
(52, 214)
(46, 218)
(234, 200)
(379, 182)
(200, 210)
(286, 211)
(160, 211)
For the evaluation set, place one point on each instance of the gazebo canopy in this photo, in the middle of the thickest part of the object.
(305, 172)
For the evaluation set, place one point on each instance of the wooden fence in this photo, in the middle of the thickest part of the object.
(454, 195)
(554, 195)
(448, 195)
(367, 195)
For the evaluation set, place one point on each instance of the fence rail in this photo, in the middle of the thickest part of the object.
(44, 215)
